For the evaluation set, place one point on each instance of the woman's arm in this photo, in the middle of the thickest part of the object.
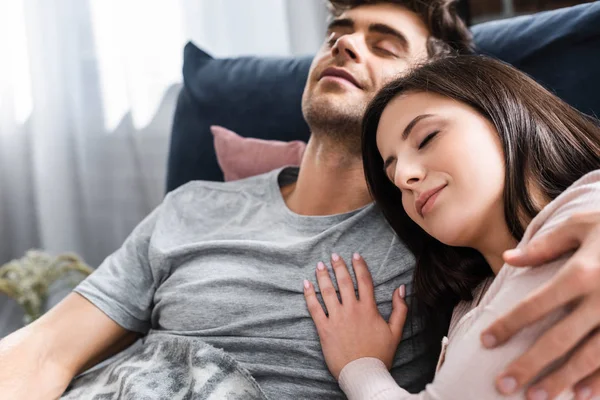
(359, 344)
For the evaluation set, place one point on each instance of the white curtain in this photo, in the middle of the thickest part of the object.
(87, 92)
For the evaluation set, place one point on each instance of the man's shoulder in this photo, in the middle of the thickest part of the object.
(253, 186)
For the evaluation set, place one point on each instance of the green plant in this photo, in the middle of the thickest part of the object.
(28, 279)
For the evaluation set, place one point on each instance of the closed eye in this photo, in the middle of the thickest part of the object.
(388, 174)
(385, 51)
(428, 139)
(391, 179)
(333, 38)
(389, 162)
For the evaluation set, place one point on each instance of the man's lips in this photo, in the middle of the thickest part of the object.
(340, 73)
(425, 197)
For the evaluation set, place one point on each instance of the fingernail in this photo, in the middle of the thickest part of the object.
(335, 257)
(489, 340)
(584, 393)
(402, 292)
(320, 266)
(507, 385)
(306, 284)
(356, 256)
(513, 253)
(539, 394)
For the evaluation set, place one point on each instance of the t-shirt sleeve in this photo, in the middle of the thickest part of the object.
(123, 286)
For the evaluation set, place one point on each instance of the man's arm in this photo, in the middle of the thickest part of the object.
(578, 284)
(39, 361)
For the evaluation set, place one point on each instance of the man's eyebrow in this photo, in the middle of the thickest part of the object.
(412, 124)
(340, 23)
(388, 30)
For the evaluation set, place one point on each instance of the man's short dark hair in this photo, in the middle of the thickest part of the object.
(449, 34)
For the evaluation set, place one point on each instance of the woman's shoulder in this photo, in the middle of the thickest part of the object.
(583, 195)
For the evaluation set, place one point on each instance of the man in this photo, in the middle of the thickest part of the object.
(223, 264)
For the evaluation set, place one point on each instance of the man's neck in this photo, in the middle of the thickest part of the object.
(331, 181)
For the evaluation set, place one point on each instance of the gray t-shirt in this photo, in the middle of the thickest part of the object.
(225, 262)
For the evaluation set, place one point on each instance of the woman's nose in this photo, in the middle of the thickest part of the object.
(407, 176)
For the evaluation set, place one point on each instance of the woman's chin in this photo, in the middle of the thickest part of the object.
(450, 237)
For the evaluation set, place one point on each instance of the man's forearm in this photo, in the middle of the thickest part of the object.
(39, 361)
(26, 372)
(123, 343)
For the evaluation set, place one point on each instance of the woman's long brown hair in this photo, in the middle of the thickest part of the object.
(547, 145)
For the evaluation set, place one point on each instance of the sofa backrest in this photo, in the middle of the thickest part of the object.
(261, 97)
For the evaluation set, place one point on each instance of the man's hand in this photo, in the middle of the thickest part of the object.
(577, 285)
(354, 328)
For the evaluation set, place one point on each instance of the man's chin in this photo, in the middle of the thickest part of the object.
(337, 89)
(333, 113)
(339, 100)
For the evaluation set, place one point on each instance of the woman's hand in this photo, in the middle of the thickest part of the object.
(354, 328)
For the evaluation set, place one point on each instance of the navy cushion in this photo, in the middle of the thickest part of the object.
(560, 49)
(254, 97)
(261, 97)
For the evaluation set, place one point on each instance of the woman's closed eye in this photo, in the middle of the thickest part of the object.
(390, 176)
(428, 139)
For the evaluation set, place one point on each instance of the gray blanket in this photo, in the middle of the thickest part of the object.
(168, 367)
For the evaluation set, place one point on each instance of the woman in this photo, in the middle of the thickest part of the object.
(466, 157)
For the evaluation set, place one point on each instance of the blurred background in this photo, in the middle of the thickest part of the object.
(486, 10)
(87, 93)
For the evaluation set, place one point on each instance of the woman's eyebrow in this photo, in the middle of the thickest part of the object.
(412, 124)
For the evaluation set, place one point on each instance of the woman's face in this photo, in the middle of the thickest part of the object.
(447, 160)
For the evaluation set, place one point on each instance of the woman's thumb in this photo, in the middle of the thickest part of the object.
(399, 311)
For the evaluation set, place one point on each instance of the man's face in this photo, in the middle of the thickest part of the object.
(366, 47)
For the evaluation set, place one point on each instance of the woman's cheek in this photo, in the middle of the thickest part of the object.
(409, 208)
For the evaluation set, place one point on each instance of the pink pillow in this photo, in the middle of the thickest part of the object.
(241, 157)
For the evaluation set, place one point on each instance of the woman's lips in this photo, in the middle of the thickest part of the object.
(427, 200)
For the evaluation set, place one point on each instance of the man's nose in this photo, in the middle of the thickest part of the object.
(346, 49)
